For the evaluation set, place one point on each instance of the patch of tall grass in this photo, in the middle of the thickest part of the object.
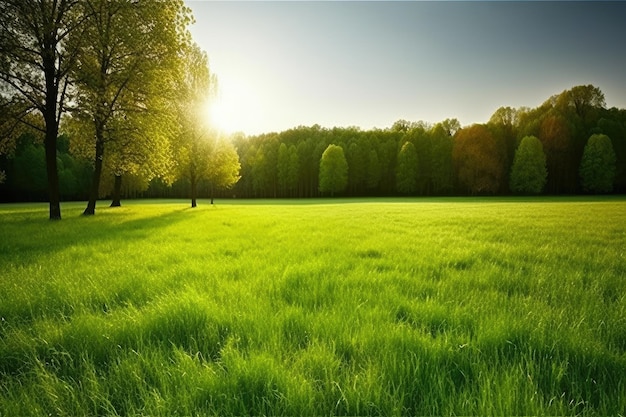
(385, 307)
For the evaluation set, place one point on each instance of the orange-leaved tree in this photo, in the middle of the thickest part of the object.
(478, 160)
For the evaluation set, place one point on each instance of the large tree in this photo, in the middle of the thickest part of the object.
(597, 168)
(333, 170)
(123, 65)
(528, 173)
(195, 142)
(35, 61)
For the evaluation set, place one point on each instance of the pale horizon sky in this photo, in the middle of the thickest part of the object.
(368, 64)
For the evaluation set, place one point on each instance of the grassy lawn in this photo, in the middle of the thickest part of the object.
(323, 307)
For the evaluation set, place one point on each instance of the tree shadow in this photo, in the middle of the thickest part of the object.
(26, 237)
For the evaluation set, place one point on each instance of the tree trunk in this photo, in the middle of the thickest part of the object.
(212, 193)
(50, 140)
(97, 173)
(53, 175)
(194, 191)
(117, 192)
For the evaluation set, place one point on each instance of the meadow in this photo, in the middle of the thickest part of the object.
(315, 307)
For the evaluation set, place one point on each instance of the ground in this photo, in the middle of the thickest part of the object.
(352, 307)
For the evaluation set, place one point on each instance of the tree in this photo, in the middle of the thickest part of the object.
(503, 125)
(373, 170)
(333, 170)
(293, 169)
(140, 150)
(270, 149)
(223, 166)
(121, 68)
(441, 164)
(193, 147)
(259, 173)
(584, 99)
(613, 124)
(478, 160)
(581, 106)
(357, 167)
(528, 174)
(419, 137)
(556, 139)
(406, 170)
(451, 126)
(597, 168)
(35, 60)
(287, 179)
(387, 155)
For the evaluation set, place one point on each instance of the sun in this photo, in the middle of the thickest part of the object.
(235, 109)
(222, 116)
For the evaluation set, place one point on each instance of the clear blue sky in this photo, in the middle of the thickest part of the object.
(368, 64)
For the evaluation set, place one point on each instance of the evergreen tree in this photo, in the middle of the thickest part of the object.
(597, 168)
(529, 174)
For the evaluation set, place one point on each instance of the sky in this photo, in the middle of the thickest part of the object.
(284, 64)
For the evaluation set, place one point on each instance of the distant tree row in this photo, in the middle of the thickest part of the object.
(128, 100)
(25, 171)
(569, 144)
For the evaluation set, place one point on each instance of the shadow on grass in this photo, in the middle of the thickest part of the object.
(25, 236)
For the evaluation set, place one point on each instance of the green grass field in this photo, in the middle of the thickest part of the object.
(346, 307)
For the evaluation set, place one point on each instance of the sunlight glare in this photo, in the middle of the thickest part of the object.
(235, 109)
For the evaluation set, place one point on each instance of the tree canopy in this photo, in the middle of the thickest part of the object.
(123, 73)
(479, 160)
(406, 171)
(333, 170)
(597, 168)
(528, 173)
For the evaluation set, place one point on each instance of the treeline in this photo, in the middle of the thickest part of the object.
(24, 171)
(123, 86)
(417, 158)
(570, 144)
